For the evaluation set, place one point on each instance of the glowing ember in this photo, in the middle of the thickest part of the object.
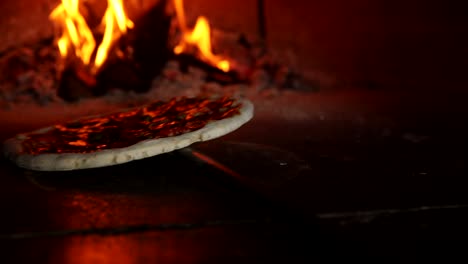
(198, 37)
(78, 38)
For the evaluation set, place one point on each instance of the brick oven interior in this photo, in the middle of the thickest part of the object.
(394, 44)
(369, 159)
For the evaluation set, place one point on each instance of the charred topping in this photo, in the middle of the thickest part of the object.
(123, 129)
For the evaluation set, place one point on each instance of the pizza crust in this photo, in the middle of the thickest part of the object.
(73, 161)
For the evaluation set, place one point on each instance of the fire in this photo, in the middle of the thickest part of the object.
(198, 37)
(77, 37)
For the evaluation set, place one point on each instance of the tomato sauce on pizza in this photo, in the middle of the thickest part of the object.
(156, 120)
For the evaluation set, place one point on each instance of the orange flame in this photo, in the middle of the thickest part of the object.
(198, 37)
(77, 37)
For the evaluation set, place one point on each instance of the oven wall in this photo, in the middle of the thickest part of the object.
(24, 21)
(393, 44)
(405, 44)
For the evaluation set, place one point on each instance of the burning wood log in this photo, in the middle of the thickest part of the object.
(150, 42)
(76, 83)
(146, 52)
(140, 55)
(213, 73)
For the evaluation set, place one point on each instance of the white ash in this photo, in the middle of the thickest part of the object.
(28, 76)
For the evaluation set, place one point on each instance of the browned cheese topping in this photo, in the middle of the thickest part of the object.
(123, 129)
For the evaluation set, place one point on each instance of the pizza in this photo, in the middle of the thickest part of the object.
(131, 134)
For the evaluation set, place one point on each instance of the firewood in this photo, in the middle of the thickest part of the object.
(213, 73)
(134, 61)
(76, 83)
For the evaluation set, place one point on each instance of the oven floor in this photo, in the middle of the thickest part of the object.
(373, 176)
